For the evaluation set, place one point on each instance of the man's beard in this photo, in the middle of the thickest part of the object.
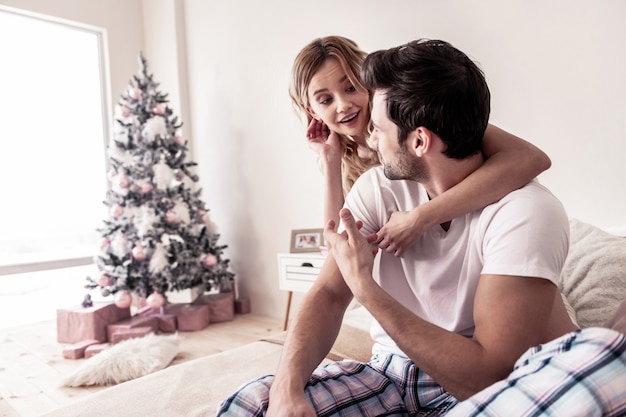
(404, 167)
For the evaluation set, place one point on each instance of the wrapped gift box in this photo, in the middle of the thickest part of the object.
(167, 323)
(221, 306)
(149, 311)
(133, 322)
(79, 323)
(95, 349)
(77, 350)
(190, 317)
(134, 332)
(242, 306)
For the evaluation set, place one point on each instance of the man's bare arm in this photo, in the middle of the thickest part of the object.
(462, 365)
(309, 339)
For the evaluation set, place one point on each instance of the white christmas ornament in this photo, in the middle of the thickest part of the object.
(117, 153)
(155, 126)
(182, 211)
(119, 245)
(159, 260)
(120, 135)
(163, 174)
(144, 218)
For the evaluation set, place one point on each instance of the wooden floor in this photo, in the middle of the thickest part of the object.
(32, 365)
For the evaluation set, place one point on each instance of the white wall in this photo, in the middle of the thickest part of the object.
(556, 71)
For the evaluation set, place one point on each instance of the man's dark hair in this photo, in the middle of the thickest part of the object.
(432, 84)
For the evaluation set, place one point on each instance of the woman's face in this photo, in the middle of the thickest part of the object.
(335, 101)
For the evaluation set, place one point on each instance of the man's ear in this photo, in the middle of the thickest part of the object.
(312, 113)
(420, 141)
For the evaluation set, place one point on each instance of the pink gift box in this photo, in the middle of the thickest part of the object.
(95, 349)
(190, 317)
(167, 323)
(77, 350)
(132, 333)
(132, 322)
(221, 306)
(242, 306)
(78, 323)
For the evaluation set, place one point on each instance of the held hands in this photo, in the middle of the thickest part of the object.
(400, 231)
(351, 250)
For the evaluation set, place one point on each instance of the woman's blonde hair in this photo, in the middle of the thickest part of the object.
(306, 64)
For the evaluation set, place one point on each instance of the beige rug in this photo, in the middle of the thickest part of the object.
(6, 410)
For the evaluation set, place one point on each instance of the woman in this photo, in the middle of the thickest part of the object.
(326, 87)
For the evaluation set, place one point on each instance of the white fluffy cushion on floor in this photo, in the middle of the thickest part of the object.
(126, 360)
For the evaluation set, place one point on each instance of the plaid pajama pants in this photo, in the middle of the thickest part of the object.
(580, 374)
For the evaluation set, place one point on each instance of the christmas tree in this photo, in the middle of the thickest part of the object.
(158, 236)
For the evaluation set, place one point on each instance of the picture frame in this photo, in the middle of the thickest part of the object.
(306, 240)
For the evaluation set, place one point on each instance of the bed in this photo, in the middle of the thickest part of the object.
(593, 282)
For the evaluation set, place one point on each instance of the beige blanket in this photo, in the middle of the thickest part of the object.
(196, 388)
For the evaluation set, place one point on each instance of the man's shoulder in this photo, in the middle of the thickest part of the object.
(532, 205)
(376, 173)
(532, 196)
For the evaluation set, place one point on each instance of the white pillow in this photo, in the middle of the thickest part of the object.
(126, 360)
(594, 275)
(617, 230)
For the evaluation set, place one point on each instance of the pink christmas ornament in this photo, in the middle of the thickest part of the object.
(145, 187)
(105, 280)
(123, 299)
(209, 260)
(125, 111)
(155, 300)
(135, 93)
(105, 244)
(179, 140)
(124, 182)
(117, 211)
(140, 253)
(171, 217)
(158, 109)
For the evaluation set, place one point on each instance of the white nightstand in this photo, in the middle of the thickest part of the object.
(297, 272)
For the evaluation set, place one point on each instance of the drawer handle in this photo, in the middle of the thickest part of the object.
(309, 264)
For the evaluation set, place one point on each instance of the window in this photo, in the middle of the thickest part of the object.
(54, 124)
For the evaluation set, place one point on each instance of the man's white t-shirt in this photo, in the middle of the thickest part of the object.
(526, 233)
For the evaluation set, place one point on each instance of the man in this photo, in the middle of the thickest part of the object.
(455, 315)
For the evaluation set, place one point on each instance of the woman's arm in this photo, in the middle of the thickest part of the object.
(511, 163)
(328, 147)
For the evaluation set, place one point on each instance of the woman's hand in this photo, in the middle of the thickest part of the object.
(324, 142)
(400, 231)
